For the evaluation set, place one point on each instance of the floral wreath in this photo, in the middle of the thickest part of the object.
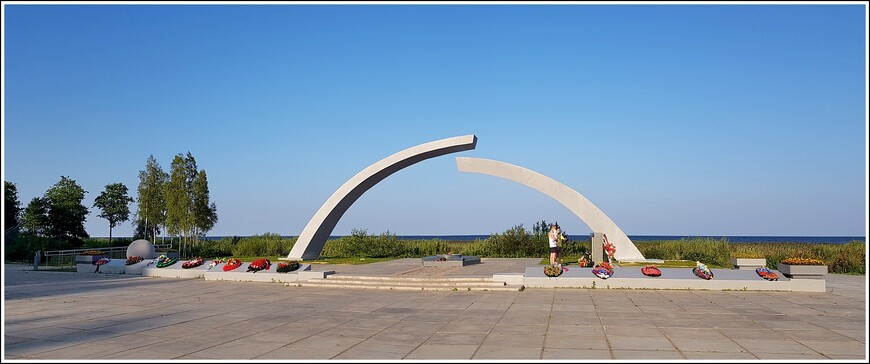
(100, 262)
(552, 270)
(766, 273)
(603, 270)
(702, 271)
(164, 261)
(135, 259)
(609, 248)
(259, 264)
(232, 263)
(287, 267)
(584, 262)
(651, 271)
(214, 263)
(193, 263)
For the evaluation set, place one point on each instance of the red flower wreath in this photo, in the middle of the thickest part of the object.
(232, 264)
(192, 263)
(259, 264)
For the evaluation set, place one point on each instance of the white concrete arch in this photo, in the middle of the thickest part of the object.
(313, 237)
(573, 200)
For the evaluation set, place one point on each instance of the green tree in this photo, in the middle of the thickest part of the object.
(66, 213)
(204, 212)
(113, 203)
(178, 203)
(11, 206)
(151, 202)
(35, 218)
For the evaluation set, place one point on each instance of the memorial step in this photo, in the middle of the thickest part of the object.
(406, 282)
(406, 286)
(408, 278)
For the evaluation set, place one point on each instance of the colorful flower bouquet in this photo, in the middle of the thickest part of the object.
(585, 262)
(552, 270)
(702, 271)
(135, 259)
(287, 267)
(766, 273)
(164, 261)
(214, 263)
(232, 263)
(651, 271)
(259, 264)
(100, 262)
(609, 248)
(193, 263)
(603, 270)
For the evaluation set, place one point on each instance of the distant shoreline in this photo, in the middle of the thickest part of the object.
(731, 239)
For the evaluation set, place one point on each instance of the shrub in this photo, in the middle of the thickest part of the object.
(268, 244)
(711, 251)
(215, 248)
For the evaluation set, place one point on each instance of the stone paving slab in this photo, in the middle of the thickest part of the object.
(166, 318)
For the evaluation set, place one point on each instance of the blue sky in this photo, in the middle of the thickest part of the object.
(672, 119)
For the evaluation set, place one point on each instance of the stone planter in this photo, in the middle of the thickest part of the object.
(803, 271)
(748, 263)
(89, 259)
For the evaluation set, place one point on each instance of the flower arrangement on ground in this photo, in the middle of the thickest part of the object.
(214, 263)
(100, 262)
(259, 264)
(232, 263)
(164, 261)
(288, 266)
(552, 270)
(603, 270)
(585, 262)
(766, 273)
(702, 271)
(193, 263)
(135, 259)
(802, 261)
(651, 271)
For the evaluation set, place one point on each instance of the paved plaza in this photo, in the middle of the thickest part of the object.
(50, 315)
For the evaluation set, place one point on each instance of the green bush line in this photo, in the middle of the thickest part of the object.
(515, 242)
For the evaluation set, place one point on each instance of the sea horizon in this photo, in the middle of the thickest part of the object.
(730, 238)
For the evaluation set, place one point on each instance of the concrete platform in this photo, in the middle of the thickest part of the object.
(175, 271)
(55, 316)
(451, 260)
(241, 274)
(671, 278)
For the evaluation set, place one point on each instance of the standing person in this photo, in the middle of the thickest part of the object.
(553, 237)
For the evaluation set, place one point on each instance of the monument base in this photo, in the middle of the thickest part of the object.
(450, 260)
(671, 278)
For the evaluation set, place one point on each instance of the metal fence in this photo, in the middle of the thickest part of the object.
(57, 259)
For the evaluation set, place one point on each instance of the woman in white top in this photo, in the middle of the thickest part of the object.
(553, 235)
